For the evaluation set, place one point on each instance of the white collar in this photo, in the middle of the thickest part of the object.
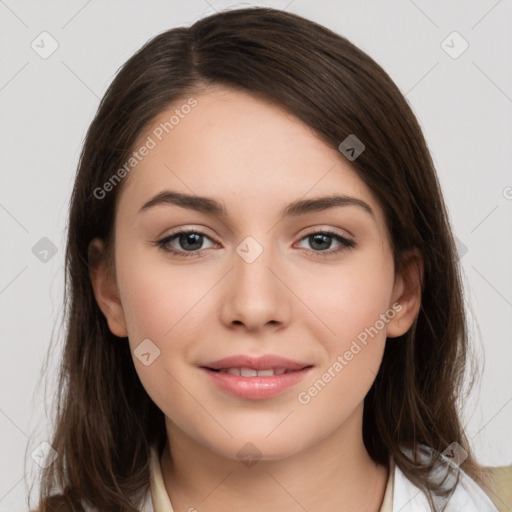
(468, 495)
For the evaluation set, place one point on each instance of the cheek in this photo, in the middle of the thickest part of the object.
(166, 304)
(350, 298)
(159, 299)
(351, 303)
(162, 304)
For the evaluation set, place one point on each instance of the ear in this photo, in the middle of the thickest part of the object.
(105, 288)
(406, 292)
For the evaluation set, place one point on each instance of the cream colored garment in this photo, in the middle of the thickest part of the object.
(161, 503)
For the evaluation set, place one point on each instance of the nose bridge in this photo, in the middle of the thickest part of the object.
(256, 297)
(252, 263)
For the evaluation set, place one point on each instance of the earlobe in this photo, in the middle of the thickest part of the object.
(406, 295)
(105, 289)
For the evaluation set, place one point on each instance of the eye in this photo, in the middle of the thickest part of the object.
(322, 240)
(190, 241)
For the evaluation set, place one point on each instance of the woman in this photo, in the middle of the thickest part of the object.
(264, 302)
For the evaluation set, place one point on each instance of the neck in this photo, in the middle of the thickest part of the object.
(336, 474)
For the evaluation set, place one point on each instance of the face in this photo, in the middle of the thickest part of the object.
(315, 286)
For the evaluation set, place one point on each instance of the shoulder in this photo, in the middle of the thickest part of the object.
(499, 487)
(59, 503)
(467, 495)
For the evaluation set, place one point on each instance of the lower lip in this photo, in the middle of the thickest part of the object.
(256, 388)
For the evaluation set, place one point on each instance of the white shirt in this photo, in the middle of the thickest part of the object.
(401, 495)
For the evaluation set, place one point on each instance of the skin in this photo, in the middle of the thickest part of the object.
(292, 301)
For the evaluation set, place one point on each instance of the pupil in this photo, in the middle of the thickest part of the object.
(194, 238)
(319, 239)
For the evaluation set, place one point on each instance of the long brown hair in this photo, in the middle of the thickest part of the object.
(105, 421)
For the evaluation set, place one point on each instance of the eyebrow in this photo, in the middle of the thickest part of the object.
(213, 207)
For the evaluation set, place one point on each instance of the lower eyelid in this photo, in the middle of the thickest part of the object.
(345, 243)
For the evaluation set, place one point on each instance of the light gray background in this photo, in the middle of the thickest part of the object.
(464, 106)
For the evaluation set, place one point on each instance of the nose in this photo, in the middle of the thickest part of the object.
(254, 294)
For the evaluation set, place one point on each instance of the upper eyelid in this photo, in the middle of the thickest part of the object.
(346, 243)
(180, 231)
(312, 231)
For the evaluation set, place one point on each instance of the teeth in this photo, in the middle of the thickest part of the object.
(250, 372)
(265, 373)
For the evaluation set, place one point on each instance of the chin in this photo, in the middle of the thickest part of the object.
(258, 447)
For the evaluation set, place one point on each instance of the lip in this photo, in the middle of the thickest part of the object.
(264, 362)
(256, 388)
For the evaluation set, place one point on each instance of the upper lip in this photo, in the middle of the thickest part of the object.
(265, 362)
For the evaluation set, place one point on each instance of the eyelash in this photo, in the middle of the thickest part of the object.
(346, 244)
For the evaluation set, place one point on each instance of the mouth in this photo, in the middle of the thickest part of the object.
(248, 364)
(255, 378)
(252, 372)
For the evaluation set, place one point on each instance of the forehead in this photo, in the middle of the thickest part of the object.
(241, 150)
